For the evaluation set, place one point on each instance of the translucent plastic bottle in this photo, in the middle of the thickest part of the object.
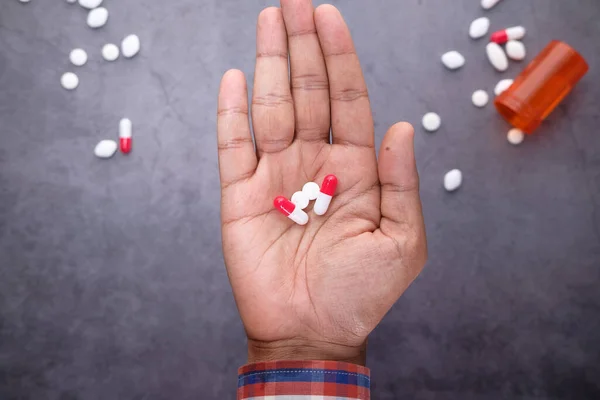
(541, 86)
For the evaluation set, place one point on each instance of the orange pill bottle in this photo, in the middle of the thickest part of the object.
(541, 86)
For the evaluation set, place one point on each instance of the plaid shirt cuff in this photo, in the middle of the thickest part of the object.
(303, 380)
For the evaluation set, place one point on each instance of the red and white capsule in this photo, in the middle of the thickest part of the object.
(290, 210)
(503, 36)
(125, 129)
(325, 195)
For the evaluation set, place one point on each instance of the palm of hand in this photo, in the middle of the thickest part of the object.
(332, 280)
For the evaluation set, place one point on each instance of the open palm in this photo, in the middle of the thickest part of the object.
(313, 291)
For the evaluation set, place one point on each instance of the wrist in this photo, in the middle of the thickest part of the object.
(300, 349)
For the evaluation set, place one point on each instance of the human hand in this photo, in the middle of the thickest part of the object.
(314, 291)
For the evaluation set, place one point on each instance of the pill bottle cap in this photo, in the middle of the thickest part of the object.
(541, 86)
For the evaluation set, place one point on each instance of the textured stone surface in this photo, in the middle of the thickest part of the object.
(112, 284)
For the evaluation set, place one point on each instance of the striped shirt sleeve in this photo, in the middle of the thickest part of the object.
(303, 380)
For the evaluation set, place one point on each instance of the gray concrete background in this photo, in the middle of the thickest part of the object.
(112, 284)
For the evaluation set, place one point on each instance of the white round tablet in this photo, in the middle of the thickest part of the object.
(480, 98)
(97, 17)
(78, 57)
(130, 46)
(431, 122)
(110, 52)
(515, 136)
(502, 86)
(69, 81)
(300, 199)
(452, 180)
(312, 190)
(105, 149)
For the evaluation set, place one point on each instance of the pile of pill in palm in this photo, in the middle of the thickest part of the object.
(294, 208)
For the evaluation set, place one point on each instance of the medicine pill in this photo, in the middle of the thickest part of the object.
(480, 98)
(69, 81)
(503, 36)
(497, 56)
(125, 130)
(452, 180)
(89, 4)
(312, 190)
(290, 210)
(325, 194)
(502, 86)
(453, 60)
(479, 28)
(487, 4)
(105, 149)
(78, 57)
(130, 46)
(300, 199)
(515, 50)
(515, 136)
(110, 52)
(97, 17)
(431, 122)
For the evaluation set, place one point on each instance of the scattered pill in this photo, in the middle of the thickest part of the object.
(452, 180)
(480, 98)
(312, 190)
(431, 122)
(290, 210)
(497, 56)
(130, 46)
(325, 194)
(503, 36)
(69, 81)
(78, 57)
(479, 28)
(105, 149)
(300, 199)
(71, 1)
(502, 86)
(110, 52)
(453, 60)
(125, 129)
(97, 17)
(487, 4)
(89, 4)
(24, 1)
(515, 136)
(515, 50)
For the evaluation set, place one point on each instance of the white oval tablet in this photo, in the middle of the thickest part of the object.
(515, 50)
(479, 28)
(487, 4)
(515, 136)
(452, 180)
(97, 17)
(431, 122)
(502, 86)
(300, 199)
(497, 56)
(130, 46)
(71, 1)
(69, 81)
(89, 4)
(480, 98)
(312, 190)
(110, 52)
(453, 60)
(78, 57)
(105, 149)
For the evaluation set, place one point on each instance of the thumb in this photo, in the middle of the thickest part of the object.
(401, 210)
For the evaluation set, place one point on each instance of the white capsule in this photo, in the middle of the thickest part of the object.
(97, 17)
(110, 52)
(78, 57)
(480, 98)
(479, 28)
(312, 190)
(431, 122)
(487, 4)
(453, 60)
(105, 149)
(130, 46)
(300, 199)
(515, 50)
(515, 136)
(452, 180)
(502, 86)
(69, 81)
(89, 4)
(497, 56)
